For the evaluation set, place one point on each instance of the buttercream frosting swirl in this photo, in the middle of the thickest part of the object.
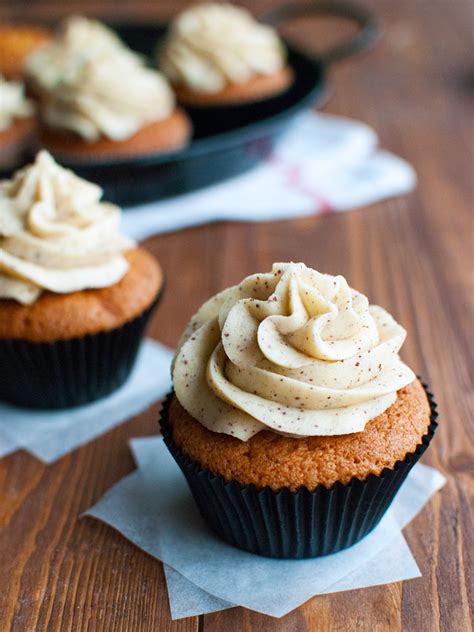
(294, 351)
(13, 103)
(211, 45)
(56, 234)
(90, 83)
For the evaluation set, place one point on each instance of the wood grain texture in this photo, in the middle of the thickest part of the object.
(412, 255)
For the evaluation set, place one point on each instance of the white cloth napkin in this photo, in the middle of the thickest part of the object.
(51, 434)
(153, 508)
(323, 163)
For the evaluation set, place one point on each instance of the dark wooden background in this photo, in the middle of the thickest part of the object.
(413, 255)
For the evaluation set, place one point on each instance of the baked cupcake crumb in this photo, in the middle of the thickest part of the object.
(170, 134)
(58, 316)
(276, 461)
(16, 43)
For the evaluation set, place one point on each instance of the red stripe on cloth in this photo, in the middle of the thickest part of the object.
(293, 177)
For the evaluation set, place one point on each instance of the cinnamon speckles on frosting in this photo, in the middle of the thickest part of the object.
(211, 45)
(88, 82)
(56, 234)
(293, 350)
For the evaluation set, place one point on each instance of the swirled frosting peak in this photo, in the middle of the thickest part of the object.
(213, 44)
(56, 234)
(294, 351)
(13, 103)
(91, 84)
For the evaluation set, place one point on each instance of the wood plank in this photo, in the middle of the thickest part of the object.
(413, 255)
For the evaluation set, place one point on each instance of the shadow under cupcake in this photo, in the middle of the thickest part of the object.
(293, 419)
(75, 294)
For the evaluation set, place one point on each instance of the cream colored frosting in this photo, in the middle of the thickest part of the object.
(13, 103)
(56, 234)
(294, 351)
(211, 45)
(89, 83)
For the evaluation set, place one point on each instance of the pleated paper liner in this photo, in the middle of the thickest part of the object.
(294, 525)
(73, 372)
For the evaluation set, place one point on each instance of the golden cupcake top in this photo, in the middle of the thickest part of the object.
(294, 351)
(56, 234)
(17, 41)
(88, 82)
(13, 103)
(212, 45)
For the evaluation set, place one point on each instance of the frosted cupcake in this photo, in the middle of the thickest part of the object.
(99, 100)
(293, 417)
(218, 54)
(16, 123)
(75, 293)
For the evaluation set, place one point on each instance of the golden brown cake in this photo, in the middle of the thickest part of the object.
(217, 54)
(269, 459)
(16, 43)
(169, 134)
(58, 317)
(255, 89)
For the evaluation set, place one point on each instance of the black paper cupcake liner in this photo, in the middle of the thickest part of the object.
(73, 372)
(294, 525)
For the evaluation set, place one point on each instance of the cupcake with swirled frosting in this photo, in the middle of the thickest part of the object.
(75, 293)
(16, 123)
(290, 386)
(97, 97)
(218, 54)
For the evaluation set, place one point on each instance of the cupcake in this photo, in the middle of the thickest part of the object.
(16, 123)
(75, 294)
(98, 100)
(16, 43)
(293, 418)
(218, 54)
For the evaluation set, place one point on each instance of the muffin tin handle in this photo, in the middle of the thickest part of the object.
(369, 29)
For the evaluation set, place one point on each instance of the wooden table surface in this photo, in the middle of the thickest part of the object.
(412, 255)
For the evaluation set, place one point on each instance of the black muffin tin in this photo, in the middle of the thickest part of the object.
(228, 140)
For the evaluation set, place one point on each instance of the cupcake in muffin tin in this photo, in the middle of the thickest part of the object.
(293, 418)
(97, 99)
(217, 54)
(75, 293)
